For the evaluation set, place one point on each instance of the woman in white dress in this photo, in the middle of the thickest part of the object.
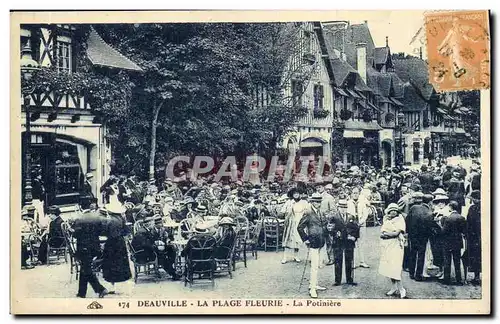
(291, 237)
(392, 248)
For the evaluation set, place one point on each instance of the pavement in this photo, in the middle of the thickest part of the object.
(265, 277)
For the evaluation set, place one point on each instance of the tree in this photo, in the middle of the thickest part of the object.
(197, 89)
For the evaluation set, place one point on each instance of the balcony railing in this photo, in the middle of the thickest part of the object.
(310, 120)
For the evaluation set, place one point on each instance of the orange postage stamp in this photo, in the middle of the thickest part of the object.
(458, 49)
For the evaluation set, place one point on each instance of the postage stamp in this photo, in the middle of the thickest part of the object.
(458, 46)
(246, 162)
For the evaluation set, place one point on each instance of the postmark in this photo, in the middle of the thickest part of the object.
(458, 50)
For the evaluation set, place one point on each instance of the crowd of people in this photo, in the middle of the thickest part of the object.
(425, 217)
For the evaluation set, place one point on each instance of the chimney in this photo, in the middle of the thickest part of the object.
(386, 41)
(361, 60)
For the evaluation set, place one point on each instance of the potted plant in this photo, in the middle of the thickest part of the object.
(435, 123)
(345, 114)
(320, 113)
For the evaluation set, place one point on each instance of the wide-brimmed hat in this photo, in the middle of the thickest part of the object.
(438, 198)
(418, 195)
(316, 197)
(392, 207)
(227, 221)
(439, 191)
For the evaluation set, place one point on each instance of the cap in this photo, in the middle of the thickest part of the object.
(342, 203)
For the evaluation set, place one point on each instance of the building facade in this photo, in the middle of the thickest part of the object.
(66, 138)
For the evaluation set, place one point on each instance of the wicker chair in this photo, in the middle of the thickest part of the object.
(145, 268)
(199, 258)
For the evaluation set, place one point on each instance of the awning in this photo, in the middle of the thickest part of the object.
(353, 134)
(341, 92)
(353, 93)
(396, 101)
(362, 103)
(373, 106)
(384, 99)
(442, 111)
(360, 94)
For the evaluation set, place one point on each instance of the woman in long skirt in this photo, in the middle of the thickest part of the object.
(291, 237)
(392, 249)
(116, 264)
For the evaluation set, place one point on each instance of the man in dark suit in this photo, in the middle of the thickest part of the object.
(149, 240)
(54, 236)
(454, 227)
(426, 180)
(473, 255)
(456, 190)
(418, 223)
(313, 232)
(344, 232)
(87, 230)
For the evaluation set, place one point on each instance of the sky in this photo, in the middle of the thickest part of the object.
(399, 26)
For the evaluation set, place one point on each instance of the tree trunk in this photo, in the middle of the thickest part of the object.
(152, 153)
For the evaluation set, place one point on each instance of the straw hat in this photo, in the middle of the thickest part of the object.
(316, 197)
(438, 198)
(227, 221)
(342, 203)
(392, 207)
(439, 191)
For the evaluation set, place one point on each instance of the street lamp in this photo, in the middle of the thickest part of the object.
(28, 68)
(400, 126)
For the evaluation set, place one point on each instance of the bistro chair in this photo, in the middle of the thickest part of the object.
(242, 237)
(199, 258)
(224, 258)
(56, 247)
(71, 244)
(271, 233)
(146, 268)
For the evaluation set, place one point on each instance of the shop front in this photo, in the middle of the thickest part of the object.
(62, 156)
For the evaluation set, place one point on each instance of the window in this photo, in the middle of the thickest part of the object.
(297, 91)
(63, 52)
(318, 97)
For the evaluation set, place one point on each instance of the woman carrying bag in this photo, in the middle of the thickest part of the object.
(392, 245)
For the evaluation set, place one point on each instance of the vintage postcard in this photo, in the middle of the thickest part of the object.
(250, 162)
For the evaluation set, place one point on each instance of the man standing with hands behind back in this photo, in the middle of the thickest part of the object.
(345, 232)
(312, 231)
